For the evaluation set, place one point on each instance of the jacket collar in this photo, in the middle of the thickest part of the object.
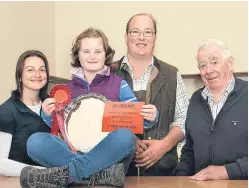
(19, 104)
(159, 81)
(79, 78)
(155, 63)
(237, 85)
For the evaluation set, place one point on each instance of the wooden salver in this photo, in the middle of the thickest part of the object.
(83, 121)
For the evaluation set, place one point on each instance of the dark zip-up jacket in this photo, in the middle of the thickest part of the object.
(21, 122)
(220, 142)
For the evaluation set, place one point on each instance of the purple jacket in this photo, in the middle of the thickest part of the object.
(107, 85)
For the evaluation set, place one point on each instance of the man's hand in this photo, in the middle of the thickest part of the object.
(140, 146)
(149, 112)
(211, 173)
(150, 156)
(48, 106)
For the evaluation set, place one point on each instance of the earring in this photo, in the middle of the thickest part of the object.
(20, 80)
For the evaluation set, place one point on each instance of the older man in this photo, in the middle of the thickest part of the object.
(217, 120)
(159, 84)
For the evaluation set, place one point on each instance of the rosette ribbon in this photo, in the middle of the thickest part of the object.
(63, 96)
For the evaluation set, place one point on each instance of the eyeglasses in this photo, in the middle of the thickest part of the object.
(137, 33)
(203, 65)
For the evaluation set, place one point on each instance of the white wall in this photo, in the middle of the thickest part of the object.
(23, 26)
(181, 28)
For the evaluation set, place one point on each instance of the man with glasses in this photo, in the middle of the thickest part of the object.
(217, 120)
(159, 84)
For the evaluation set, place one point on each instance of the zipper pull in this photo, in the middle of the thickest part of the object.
(212, 128)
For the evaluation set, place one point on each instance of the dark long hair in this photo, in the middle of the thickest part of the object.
(19, 70)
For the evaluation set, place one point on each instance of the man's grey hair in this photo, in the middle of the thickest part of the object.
(225, 51)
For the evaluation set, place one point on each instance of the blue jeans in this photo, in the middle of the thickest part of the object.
(50, 151)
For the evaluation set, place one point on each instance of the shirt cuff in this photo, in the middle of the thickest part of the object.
(47, 119)
(148, 124)
(234, 171)
(176, 124)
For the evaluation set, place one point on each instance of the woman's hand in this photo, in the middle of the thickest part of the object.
(48, 106)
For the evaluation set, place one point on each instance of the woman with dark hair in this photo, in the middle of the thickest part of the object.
(107, 162)
(20, 114)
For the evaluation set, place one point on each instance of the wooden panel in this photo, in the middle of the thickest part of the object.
(151, 182)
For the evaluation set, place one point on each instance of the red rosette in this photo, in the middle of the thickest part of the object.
(62, 95)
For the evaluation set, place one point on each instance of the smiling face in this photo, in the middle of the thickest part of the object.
(141, 46)
(34, 76)
(92, 54)
(215, 70)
